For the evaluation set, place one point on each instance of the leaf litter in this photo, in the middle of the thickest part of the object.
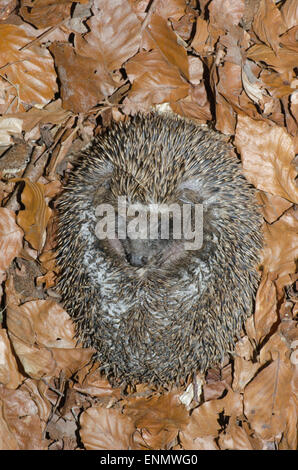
(67, 69)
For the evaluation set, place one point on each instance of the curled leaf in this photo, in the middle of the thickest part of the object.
(34, 218)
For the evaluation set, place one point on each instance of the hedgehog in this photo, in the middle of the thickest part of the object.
(158, 309)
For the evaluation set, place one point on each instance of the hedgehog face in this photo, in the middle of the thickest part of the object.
(151, 239)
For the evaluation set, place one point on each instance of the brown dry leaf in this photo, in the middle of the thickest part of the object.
(106, 429)
(289, 437)
(34, 218)
(11, 238)
(224, 15)
(268, 24)
(289, 11)
(204, 420)
(84, 80)
(48, 261)
(159, 419)
(204, 424)
(289, 40)
(38, 393)
(49, 280)
(214, 390)
(266, 306)
(188, 107)
(70, 360)
(52, 113)
(30, 71)
(165, 85)
(50, 324)
(115, 34)
(196, 104)
(267, 153)
(9, 373)
(173, 9)
(21, 416)
(284, 61)
(280, 344)
(52, 189)
(236, 437)
(217, 382)
(21, 323)
(244, 367)
(42, 335)
(272, 206)
(8, 439)
(267, 399)
(281, 248)
(230, 83)
(226, 118)
(166, 42)
(92, 382)
(275, 83)
(200, 40)
(45, 13)
(198, 443)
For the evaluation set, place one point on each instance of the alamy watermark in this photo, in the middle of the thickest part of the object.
(154, 221)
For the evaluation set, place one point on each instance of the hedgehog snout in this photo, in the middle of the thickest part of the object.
(137, 260)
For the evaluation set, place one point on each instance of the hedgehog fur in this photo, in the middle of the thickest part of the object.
(160, 319)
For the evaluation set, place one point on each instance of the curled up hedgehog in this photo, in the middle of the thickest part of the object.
(156, 305)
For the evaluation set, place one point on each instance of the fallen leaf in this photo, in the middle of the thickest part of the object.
(289, 11)
(267, 400)
(21, 418)
(267, 153)
(236, 437)
(204, 421)
(268, 24)
(158, 418)
(9, 372)
(106, 429)
(272, 206)
(45, 13)
(200, 40)
(31, 70)
(166, 85)
(281, 248)
(84, 80)
(166, 41)
(284, 60)
(224, 15)
(244, 366)
(34, 218)
(266, 306)
(115, 33)
(8, 439)
(11, 238)
(42, 335)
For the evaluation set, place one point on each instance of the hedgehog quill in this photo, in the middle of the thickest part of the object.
(154, 310)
